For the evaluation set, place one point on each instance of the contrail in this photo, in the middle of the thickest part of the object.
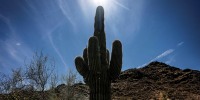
(167, 52)
(121, 5)
(57, 51)
(53, 45)
(65, 10)
(7, 21)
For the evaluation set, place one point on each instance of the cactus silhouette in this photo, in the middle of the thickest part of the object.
(95, 67)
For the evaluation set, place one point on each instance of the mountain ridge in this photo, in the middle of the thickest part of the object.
(154, 81)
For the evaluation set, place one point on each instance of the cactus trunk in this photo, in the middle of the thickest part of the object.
(100, 89)
(95, 67)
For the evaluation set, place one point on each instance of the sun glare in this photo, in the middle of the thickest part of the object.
(100, 2)
(110, 7)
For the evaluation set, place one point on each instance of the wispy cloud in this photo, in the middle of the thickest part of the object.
(56, 49)
(8, 23)
(120, 4)
(180, 44)
(50, 38)
(64, 6)
(3, 18)
(12, 55)
(18, 44)
(49, 26)
(10, 48)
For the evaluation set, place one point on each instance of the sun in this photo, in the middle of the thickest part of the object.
(109, 7)
(100, 2)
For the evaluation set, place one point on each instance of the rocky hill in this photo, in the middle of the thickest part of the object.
(156, 81)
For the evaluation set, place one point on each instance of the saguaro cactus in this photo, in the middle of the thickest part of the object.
(95, 67)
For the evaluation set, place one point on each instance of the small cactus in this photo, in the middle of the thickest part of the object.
(95, 67)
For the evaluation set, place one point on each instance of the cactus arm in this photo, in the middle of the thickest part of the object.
(85, 55)
(81, 66)
(116, 60)
(94, 55)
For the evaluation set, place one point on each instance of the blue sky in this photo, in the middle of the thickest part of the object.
(150, 30)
